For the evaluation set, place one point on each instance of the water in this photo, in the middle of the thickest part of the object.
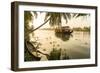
(76, 45)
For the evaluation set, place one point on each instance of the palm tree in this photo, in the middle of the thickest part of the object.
(55, 19)
(28, 17)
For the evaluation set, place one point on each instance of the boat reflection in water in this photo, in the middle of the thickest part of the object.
(63, 36)
(64, 33)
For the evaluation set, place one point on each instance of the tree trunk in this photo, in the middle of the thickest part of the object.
(40, 25)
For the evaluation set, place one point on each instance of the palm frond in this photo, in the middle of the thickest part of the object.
(56, 18)
(27, 15)
(68, 15)
(79, 14)
(34, 13)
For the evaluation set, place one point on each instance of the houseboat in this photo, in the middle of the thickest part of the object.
(64, 29)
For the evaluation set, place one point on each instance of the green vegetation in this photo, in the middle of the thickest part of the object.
(86, 29)
(81, 29)
(28, 56)
(27, 18)
(57, 55)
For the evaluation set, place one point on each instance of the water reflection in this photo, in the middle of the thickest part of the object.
(63, 36)
(60, 46)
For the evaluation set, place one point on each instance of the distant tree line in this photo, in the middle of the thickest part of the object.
(81, 29)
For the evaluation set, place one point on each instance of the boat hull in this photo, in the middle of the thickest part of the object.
(64, 31)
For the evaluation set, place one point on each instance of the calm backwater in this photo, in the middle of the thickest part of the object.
(75, 45)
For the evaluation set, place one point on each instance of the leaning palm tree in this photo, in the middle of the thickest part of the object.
(55, 19)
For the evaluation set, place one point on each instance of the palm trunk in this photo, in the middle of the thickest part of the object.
(40, 25)
(42, 53)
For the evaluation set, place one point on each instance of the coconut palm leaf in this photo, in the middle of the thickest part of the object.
(56, 18)
(81, 15)
(76, 15)
(28, 17)
(68, 15)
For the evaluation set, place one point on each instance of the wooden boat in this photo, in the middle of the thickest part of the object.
(64, 29)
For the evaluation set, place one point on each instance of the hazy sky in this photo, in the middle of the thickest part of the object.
(74, 22)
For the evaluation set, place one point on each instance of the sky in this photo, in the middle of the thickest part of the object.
(74, 22)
